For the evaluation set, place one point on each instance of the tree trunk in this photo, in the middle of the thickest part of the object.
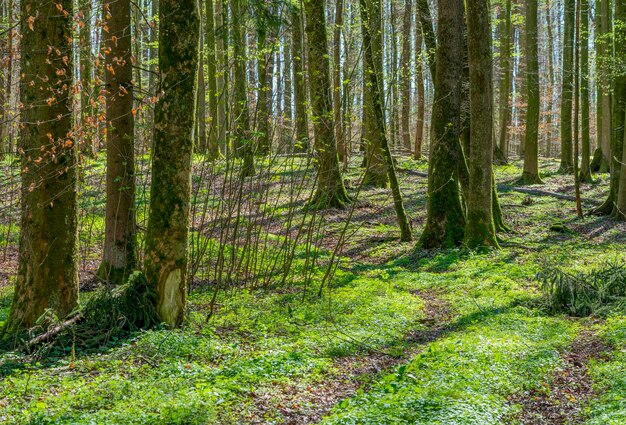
(166, 252)
(120, 238)
(299, 88)
(551, 106)
(585, 169)
(244, 145)
(47, 275)
(480, 230)
(200, 136)
(88, 123)
(213, 150)
(337, 83)
(505, 82)
(421, 101)
(406, 78)
(376, 171)
(263, 107)
(530, 174)
(428, 32)
(330, 192)
(445, 221)
(566, 89)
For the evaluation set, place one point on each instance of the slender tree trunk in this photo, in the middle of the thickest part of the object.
(421, 101)
(263, 108)
(168, 225)
(120, 238)
(297, 53)
(551, 79)
(214, 122)
(221, 54)
(428, 32)
(88, 123)
(567, 87)
(585, 169)
(47, 275)
(530, 174)
(374, 81)
(505, 83)
(330, 192)
(577, 76)
(200, 138)
(445, 222)
(342, 147)
(405, 75)
(604, 87)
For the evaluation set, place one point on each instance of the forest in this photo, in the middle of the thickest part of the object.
(313, 212)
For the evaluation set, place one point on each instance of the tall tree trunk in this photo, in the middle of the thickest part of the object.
(120, 237)
(551, 79)
(567, 87)
(244, 144)
(213, 151)
(530, 174)
(166, 253)
(406, 77)
(374, 75)
(200, 136)
(221, 23)
(480, 229)
(88, 123)
(603, 25)
(263, 127)
(505, 81)
(421, 98)
(342, 147)
(445, 221)
(376, 171)
(47, 275)
(299, 88)
(428, 32)
(330, 192)
(585, 169)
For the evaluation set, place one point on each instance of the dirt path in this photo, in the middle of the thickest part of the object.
(562, 401)
(308, 404)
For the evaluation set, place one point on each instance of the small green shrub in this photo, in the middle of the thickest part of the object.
(584, 293)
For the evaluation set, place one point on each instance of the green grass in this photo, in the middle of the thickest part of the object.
(264, 350)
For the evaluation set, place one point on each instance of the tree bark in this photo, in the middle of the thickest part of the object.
(445, 222)
(585, 169)
(166, 252)
(47, 275)
(480, 230)
(505, 82)
(530, 174)
(337, 83)
(330, 192)
(213, 150)
(299, 88)
(421, 98)
(406, 78)
(567, 88)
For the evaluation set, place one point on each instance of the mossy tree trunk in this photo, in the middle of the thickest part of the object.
(405, 83)
(374, 75)
(166, 252)
(567, 164)
(330, 190)
(618, 109)
(47, 275)
(428, 33)
(244, 143)
(376, 171)
(87, 112)
(421, 98)
(479, 229)
(299, 88)
(213, 150)
(445, 221)
(120, 237)
(505, 82)
(530, 175)
(585, 169)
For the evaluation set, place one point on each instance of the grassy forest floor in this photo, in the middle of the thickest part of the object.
(403, 337)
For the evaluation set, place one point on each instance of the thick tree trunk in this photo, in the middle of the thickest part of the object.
(299, 88)
(480, 230)
(166, 253)
(330, 188)
(567, 88)
(376, 171)
(47, 275)
(244, 143)
(445, 221)
(530, 174)
(120, 239)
